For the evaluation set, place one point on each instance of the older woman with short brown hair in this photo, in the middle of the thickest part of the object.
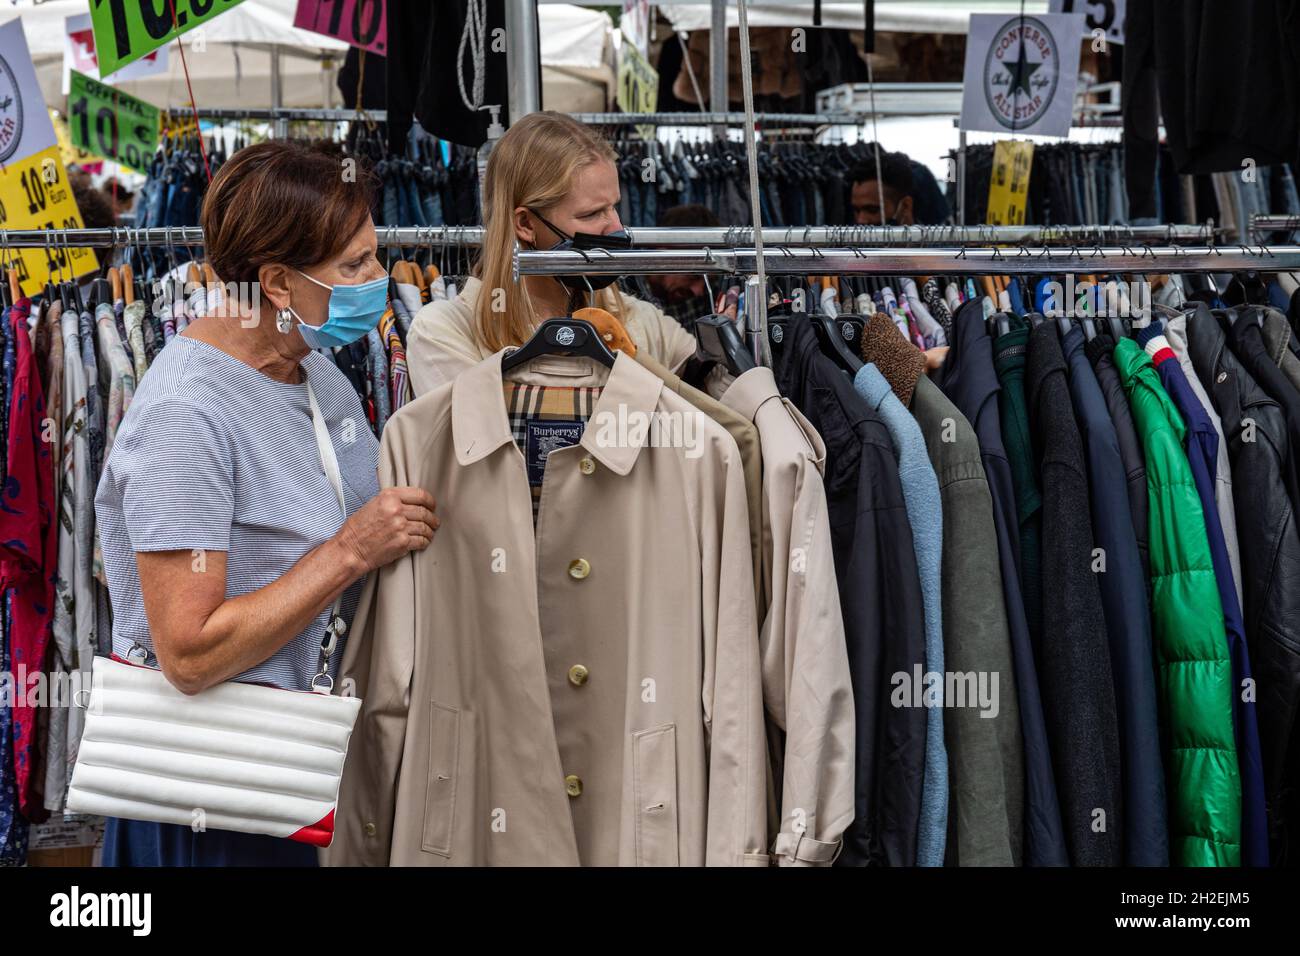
(224, 542)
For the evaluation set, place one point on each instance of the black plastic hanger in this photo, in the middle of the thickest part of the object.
(721, 341)
(832, 344)
(559, 336)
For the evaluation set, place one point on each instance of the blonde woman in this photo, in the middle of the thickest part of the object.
(548, 178)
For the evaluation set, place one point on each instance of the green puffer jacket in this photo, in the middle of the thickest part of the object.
(1194, 670)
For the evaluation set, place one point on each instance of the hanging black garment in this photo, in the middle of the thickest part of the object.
(423, 41)
(1198, 64)
(880, 597)
(1073, 658)
(1255, 428)
(968, 378)
(1247, 341)
(1130, 448)
(374, 95)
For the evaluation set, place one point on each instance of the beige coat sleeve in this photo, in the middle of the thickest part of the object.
(732, 691)
(377, 666)
(806, 679)
(440, 344)
(662, 336)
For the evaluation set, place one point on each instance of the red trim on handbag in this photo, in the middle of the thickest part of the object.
(320, 833)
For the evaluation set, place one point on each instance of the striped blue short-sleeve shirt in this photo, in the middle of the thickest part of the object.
(213, 455)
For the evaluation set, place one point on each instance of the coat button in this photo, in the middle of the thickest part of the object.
(586, 466)
(579, 568)
(578, 675)
(573, 785)
(1223, 377)
(371, 829)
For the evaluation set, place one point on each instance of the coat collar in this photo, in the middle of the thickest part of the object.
(898, 360)
(750, 391)
(478, 410)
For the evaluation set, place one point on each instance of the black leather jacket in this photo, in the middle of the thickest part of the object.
(1255, 428)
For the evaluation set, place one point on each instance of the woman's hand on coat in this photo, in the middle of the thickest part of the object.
(390, 525)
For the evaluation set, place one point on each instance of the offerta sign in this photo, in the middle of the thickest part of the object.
(112, 124)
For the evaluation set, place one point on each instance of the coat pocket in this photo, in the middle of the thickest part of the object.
(654, 787)
(440, 795)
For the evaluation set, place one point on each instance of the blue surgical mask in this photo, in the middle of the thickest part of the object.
(353, 311)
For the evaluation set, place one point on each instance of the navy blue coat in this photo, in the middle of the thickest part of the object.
(1128, 616)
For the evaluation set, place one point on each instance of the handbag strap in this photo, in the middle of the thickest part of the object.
(335, 625)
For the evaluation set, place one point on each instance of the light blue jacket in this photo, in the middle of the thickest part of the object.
(925, 515)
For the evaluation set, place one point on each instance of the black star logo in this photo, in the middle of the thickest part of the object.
(1021, 70)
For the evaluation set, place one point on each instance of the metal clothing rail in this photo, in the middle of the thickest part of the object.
(1137, 258)
(284, 113)
(726, 237)
(719, 119)
(595, 119)
(1271, 222)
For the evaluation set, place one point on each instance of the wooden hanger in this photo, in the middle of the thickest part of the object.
(115, 282)
(128, 283)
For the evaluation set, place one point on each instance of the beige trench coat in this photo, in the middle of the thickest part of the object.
(806, 688)
(589, 693)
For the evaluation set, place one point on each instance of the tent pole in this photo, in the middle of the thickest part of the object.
(280, 128)
(524, 57)
(718, 61)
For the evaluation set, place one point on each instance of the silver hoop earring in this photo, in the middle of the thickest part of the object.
(284, 320)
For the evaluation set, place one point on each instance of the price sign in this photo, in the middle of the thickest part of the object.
(635, 23)
(34, 194)
(79, 54)
(1009, 185)
(69, 154)
(126, 30)
(34, 191)
(112, 124)
(638, 85)
(1104, 15)
(360, 23)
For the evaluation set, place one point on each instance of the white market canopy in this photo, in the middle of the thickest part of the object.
(235, 67)
(913, 16)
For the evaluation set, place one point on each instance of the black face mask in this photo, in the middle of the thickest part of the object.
(582, 242)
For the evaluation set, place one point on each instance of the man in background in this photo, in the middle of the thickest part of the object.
(682, 295)
(910, 194)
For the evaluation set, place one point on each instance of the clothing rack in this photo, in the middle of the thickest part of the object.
(286, 113)
(595, 119)
(718, 119)
(1272, 222)
(915, 261)
(724, 237)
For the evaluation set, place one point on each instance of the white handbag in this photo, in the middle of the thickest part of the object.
(243, 757)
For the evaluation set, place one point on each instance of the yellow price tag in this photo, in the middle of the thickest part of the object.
(1009, 185)
(638, 85)
(34, 194)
